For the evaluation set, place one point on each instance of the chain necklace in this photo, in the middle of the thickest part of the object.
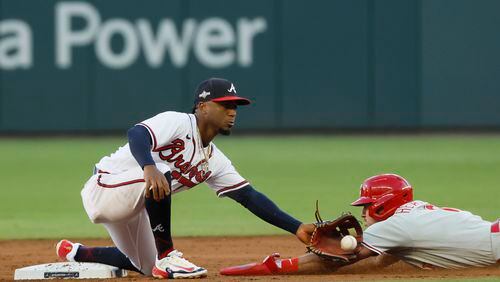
(205, 153)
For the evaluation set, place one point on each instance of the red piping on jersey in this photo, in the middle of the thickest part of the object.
(152, 134)
(223, 190)
(372, 248)
(117, 184)
(495, 227)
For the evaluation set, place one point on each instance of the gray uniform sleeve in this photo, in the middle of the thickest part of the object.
(387, 235)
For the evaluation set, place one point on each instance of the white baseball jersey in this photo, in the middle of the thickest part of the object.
(176, 142)
(115, 195)
(425, 235)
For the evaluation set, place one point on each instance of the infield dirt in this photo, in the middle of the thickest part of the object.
(214, 253)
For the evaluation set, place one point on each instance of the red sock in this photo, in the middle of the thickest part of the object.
(165, 253)
(289, 265)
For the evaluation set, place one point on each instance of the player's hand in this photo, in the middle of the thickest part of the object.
(156, 183)
(304, 232)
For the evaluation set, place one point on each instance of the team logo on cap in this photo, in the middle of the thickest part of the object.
(232, 89)
(204, 94)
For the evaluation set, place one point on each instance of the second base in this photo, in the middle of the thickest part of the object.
(73, 270)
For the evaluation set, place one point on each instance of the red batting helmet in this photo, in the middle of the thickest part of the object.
(384, 193)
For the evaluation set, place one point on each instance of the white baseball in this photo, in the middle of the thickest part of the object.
(348, 243)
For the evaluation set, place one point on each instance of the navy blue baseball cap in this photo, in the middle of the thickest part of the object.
(218, 90)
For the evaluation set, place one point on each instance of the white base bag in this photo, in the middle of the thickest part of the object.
(72, 270)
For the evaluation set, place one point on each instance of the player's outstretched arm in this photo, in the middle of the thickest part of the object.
(306, 264)
(267, 210)
(274, 265)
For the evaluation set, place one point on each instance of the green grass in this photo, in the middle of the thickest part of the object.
(41, 180)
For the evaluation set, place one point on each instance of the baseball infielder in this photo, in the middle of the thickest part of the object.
(399, 228)
(130, 191)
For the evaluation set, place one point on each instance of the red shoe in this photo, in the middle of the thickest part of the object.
(267, 267)
(66, 250)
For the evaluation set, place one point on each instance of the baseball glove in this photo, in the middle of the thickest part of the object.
(325, 239)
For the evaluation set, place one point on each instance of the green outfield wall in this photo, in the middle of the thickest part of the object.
(317, 64)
